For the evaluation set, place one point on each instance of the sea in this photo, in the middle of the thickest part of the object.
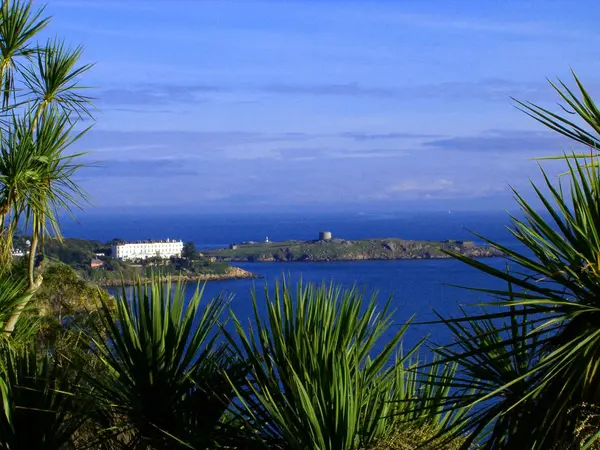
(419, 291)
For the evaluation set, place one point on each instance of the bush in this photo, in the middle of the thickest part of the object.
(165, 379)
(318, 380)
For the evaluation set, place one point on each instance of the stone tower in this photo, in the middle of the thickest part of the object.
(325, 235)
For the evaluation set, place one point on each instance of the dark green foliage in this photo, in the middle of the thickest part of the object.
(189, 251)
(166, 376)
(76, 253)
(66, 302)
(44, 407)
(538, 368)
(322, 379)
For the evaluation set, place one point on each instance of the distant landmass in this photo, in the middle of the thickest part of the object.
(92, 261)
(334, 249)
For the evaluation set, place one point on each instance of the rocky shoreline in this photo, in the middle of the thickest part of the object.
(233, 273)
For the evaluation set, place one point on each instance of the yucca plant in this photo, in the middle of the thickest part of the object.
(532, 375)
(321, 377)
(164, 376)
(43, 408)
(414, 407)
(496, 356)
(11, 297)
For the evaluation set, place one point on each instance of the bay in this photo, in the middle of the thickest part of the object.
(416, 288)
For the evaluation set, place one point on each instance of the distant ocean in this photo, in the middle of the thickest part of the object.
(416, 287)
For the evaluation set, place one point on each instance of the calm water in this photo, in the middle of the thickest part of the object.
(415, 287)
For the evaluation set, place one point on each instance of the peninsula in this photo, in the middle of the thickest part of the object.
(327, 248)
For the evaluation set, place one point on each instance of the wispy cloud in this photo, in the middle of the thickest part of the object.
(425, 188)
(349, 89)
(441, 184)
(475, 23)
(139, 168)
(321, 154)
(107, 5)
(506, 141)
(490, 90)
(155, 94)
(485, 90)
(363, 136)
(198, 145)
(144, 111)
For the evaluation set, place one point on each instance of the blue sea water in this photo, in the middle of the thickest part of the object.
(416, 288)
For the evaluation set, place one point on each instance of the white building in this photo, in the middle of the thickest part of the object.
(147, 249)
(22, 251)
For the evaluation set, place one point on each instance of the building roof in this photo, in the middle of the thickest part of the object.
(152, 241)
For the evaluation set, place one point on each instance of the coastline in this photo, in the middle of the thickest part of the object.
(326, 250)
(234, 273)
(309, 259)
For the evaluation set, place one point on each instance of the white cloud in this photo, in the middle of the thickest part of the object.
(441, 184)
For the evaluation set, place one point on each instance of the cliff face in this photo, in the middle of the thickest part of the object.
(342, 250)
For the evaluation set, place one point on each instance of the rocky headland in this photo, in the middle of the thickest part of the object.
(345, 250)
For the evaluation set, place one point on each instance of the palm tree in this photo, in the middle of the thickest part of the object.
(534, 381)
(42, 105)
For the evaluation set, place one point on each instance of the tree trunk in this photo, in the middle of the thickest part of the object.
(32, 254)
(9, 327)
(33, 285)
(5, 237)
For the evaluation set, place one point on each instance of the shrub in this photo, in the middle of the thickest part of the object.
(322, 379)
(164, 377)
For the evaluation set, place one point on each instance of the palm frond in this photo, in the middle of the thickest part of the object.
(54, 80)
(19, 24)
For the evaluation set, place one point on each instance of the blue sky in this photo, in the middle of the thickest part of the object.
(321, 105)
